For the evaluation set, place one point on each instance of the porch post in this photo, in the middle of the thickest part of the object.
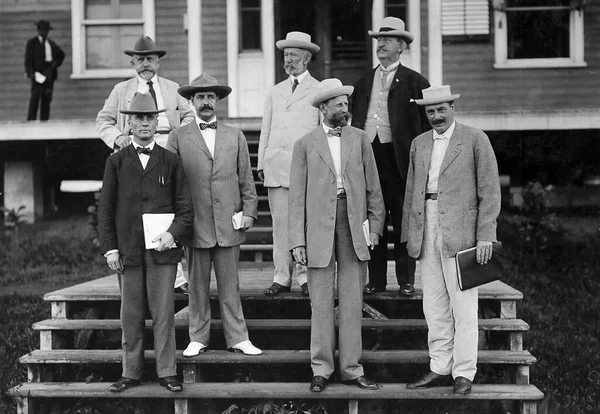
(194, 29)
(435, 41)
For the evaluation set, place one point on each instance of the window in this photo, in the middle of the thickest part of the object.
(539, 33)
(250, 22)
(396, 8)
(103, 30)
(465, 19)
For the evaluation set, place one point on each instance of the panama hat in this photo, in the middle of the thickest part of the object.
(300, 40)
(437, 94)
(204, 83)
(43, 24)
(393, 27)
(145, 46)
(142, 103)
(330, 88)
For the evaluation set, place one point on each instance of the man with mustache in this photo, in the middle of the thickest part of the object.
(382, 105)
(334, 189)
(287, 117)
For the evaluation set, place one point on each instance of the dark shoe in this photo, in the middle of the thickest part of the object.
(431, 379)
(406, 289)
(123, 383)
(370, 289)
(183, 289)
(462, 385)
(318, 383)
(275, 289)
(362, 382)
(171, 383)
(304, 289)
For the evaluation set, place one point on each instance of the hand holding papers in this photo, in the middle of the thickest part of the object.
(39, 78)
(237, 221)
(367, 233)
(154, 226)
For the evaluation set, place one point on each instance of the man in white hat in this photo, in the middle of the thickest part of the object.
(452, 203)
(287, 117)
(334, 196)
(382, 106)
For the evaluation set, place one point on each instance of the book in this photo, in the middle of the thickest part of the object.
(367, 232)
(471, 274)
(155, 224)
(236, 219)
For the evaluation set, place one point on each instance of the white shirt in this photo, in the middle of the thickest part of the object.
(335, 148)
(143, 157)
(299, 77)
(208, 134)
(163, 122)
(391, 68)
(47, 48)
(440, 145)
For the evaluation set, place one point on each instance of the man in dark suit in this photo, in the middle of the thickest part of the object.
(144, 178)
(382, 105)
(42, 59)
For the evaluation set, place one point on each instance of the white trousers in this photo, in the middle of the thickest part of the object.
(450, 313)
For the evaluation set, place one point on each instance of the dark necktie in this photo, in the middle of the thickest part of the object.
(144, 150)
(335, 132)
(211, 125)
(152, 92)
(295, 85)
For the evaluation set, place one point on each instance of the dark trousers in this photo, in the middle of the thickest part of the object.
(40, 93)
(393, 188)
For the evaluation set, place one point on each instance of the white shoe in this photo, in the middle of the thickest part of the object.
(194, 348)
(245, 347)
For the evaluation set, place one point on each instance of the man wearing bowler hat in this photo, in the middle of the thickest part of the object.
(217, 162)
(144, 178)
(334, 193)
(382, 106)
(287, 117)
(42, 59)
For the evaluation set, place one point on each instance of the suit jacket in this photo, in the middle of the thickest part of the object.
(129, 190)
(221, 185)
(110, 123)
(407, 119)
(287, 117)
(35, 58)
(468, 191)
(313, 189)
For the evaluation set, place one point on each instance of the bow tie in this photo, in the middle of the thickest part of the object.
(335, 132)
(144, 150)
(211, 125)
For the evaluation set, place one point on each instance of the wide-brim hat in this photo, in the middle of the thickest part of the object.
(145, 46)
(142, 103)
(43, 24)
(300, 40)
(393, 27)
(204, 83)
(436, 95)
(330, 88)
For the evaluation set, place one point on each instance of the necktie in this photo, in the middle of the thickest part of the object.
(152, 92)
(295, 85)
(211, 125)
(335, 132)
(144, 150)
(384, 75)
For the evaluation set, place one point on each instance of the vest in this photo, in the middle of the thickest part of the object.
(378, 117)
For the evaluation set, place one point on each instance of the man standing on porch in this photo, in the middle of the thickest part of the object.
(287, 117)
(382, 105)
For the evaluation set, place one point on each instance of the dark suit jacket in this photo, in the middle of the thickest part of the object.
(407, 119)
(35, 58)
(128, 191)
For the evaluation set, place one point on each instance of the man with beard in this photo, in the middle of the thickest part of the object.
(382, 105)
(334, 191)
(287, 116)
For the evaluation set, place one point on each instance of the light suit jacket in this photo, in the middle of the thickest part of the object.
(110, 123)
(468, 191)
(287, 117)
(220, 186)
(312, 201)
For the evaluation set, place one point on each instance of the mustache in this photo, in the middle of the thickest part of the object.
(206, 106)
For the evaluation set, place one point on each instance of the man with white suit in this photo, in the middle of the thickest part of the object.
(334, 189)
(288, 116)
(452, 202)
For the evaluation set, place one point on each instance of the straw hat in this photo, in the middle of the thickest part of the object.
(437, 94)
(300, 40)
(393, 27)
(330, 88)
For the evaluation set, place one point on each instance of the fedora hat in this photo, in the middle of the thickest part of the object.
(393, 27)
(204, 83)
(142, 103)
(43, 24)
(300, 40)
(145, 46)
(436, 95)
(330, 88)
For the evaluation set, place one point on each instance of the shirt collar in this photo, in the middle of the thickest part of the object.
(392, 66)
(326, 128)
(40, 38)
(447, 133)
(299, 77)
(150, 145)
(201, 121)
(143, 81)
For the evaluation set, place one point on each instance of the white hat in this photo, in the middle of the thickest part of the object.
(330, 88)
(300, 40)
(437, 94)
(393, 27)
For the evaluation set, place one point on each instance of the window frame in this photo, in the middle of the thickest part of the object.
(78, 24)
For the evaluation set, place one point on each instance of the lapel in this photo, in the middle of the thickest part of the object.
(322, 148)
(301, 91)
(285, 89)
(130, 90)
(133, 158)
(195, 136)
(398, 77)
(346, 143)
(220, 137)
(167, 96)
(155, 158)
(426, 148)
(454, 148)
(369, 83)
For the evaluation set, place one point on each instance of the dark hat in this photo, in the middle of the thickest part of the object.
(204, 83)
(43, 24)
(145, 46)
(142, 103)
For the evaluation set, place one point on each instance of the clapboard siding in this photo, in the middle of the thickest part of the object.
(172, 36)
(214, 43)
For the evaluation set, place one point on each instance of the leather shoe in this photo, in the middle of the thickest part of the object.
(318, 383)
(431, 379)
(362, 382)
(304, 289)
(245, 347)
(275, 289)
(171, 383)
(406, 289)
(462, 385)
(370, 289)
(193, 349)
(123, 383)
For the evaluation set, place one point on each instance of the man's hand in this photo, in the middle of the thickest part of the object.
(484, 251)
(247, 223)
(165, 241)
(300, 255)
(374, 240)
(115, 262)
(122, 141)
(261, 175)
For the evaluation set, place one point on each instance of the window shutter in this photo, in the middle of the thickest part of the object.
(465, 17)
